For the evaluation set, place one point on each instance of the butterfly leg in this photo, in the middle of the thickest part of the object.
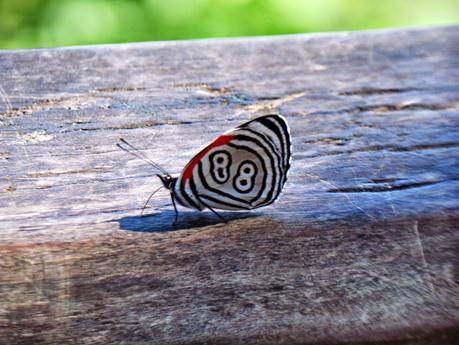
(215, 212)
(148, 200)
(218, 215)
(175, 208)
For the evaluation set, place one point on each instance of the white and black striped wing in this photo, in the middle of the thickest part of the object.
(244, 168)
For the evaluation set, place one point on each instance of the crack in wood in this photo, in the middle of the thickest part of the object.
(74, 102)
(382, 188)
(369, 91)
(385, 108)
(120, 89)
(384, 180)
(382, 108)
(375, 148)
(144, 124)
(238, 99)
(67, 172)
(374, 91)
(329, 140)
(426, 147)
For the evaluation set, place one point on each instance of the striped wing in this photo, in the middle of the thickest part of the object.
(244, 168)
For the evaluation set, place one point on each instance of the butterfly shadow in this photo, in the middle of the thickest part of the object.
(164, 221)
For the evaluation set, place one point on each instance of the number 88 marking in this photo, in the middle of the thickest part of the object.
(244, 181)
(220, 163)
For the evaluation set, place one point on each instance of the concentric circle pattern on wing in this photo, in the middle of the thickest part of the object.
(245, 168)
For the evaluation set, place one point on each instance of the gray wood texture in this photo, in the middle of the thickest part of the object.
(362, 246)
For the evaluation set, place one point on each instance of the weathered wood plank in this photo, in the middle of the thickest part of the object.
(362, 247)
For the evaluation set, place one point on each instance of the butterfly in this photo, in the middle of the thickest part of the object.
(243, 169)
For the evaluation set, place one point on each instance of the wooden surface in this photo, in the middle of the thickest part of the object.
(361, 248)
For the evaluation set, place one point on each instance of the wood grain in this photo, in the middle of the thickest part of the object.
(361, 248)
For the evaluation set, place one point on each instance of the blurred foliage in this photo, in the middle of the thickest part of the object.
(46, 23)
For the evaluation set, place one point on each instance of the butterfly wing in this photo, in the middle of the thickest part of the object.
(244, 168)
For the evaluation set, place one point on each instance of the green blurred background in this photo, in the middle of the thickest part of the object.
(49, 23)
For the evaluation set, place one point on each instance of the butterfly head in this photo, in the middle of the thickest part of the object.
(167, 180)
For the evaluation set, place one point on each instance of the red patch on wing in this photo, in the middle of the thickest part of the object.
(221, 140)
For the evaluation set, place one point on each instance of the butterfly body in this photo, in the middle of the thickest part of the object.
(243, 169)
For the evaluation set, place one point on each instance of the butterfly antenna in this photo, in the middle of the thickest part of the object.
(139, 154)
(148, 200)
